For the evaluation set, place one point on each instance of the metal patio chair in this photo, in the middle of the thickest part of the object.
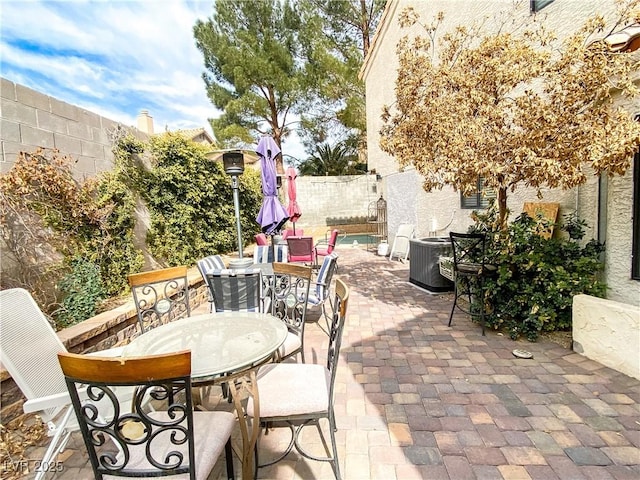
(321, 288)
(296, 395)
(149, 443)
(208, 265)
(470, 270)
(289, 297)
(263, 254)
(160, 296)
(261, 239)
(324, 247)
(236, 290)
(301, 250)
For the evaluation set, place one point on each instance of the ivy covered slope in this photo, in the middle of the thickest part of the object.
(72, 242)
(69, 242)
(189, 198)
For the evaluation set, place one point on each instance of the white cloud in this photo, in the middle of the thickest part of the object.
(114, 58)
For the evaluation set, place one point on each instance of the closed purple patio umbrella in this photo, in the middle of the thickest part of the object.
(272, 215)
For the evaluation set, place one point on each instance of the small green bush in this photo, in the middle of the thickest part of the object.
(82, 291)
(538, 277)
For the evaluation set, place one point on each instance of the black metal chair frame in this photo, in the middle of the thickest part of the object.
(149, 443)
(160, 296)
(289, 299)
(470, 269)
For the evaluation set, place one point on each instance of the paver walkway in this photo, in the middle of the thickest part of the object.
(419, 400)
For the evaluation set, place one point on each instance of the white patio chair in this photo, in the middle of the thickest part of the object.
(29, 350)
(400, 246)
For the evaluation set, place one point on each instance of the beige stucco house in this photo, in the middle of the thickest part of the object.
(608, 205)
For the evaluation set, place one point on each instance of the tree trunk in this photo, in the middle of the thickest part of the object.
(502, 207)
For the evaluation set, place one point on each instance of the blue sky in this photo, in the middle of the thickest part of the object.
(114, 57)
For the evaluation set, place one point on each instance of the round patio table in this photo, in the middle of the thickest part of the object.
(225, 347)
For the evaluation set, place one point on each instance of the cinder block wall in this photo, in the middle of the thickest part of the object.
(31, 119)
(329, 201)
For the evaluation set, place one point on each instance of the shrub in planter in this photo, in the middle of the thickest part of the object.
(538, 277)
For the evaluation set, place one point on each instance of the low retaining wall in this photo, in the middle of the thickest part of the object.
(108, 329)
(607, 332)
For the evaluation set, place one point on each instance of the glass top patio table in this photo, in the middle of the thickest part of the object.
(220, 343)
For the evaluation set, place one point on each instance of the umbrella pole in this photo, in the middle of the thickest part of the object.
(272, 249)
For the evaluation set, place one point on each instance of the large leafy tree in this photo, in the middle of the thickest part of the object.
(338, 35)
(515, 108)
(254, 72)
(272, 65)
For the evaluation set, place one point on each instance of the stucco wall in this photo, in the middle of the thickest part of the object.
(403, 189)
(607, 332)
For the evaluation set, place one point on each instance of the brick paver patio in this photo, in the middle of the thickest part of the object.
(419, 400)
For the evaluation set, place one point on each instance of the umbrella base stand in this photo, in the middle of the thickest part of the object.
(240, 263)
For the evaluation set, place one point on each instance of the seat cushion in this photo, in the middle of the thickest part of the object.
(290, 345)
(288, 389)
(313, 299)
(211, 432)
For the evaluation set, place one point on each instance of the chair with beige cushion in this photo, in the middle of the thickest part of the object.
(297, 395)
(175, 441)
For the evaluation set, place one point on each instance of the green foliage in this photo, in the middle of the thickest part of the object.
(336, 38)
(190, 201)
(46, 209)
(113, 250)
(538, 277)
(255, 70)
(328, 160)
(266, 60)
(82, 291)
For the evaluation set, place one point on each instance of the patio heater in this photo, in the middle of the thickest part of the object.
(234, 166)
